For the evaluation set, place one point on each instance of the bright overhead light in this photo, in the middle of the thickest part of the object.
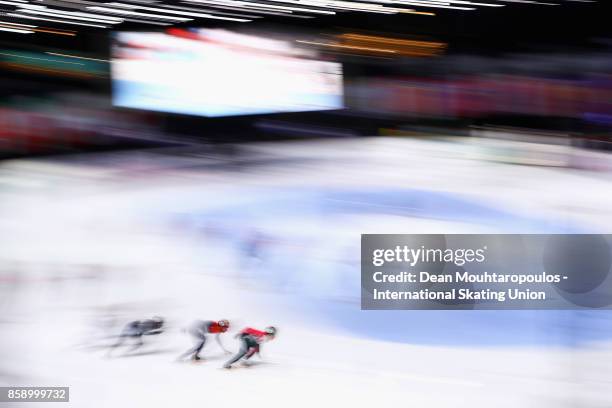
(16, 15)
(134, 13)
(16, 30)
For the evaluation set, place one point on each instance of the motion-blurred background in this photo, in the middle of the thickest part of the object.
(208, 159)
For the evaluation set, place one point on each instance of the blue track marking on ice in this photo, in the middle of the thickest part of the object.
(259, 208)
(269, 205)
(475, 328)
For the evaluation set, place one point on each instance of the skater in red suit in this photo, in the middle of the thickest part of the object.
(199, 330)
(251, 340)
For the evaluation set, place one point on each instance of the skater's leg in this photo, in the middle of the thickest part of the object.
(129, 331)
(251, 352)
(139, 343)
(244, 348)
(195, 350)
(198, 348)
(118, 343)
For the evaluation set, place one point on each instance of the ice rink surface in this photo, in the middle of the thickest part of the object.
(93, 242)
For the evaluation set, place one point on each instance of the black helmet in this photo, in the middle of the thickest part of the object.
(270, 330)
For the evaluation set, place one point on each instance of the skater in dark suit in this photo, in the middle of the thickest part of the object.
(136, 329)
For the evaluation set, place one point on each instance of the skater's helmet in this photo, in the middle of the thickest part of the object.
(223, 323)
(159, 321)
(270, 330)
